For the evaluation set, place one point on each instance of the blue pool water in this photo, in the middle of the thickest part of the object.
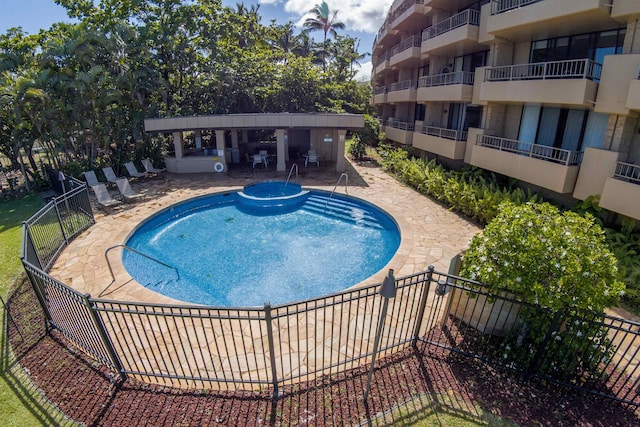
(225, 253)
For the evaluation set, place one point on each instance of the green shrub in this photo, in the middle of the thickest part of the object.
(357, 149)
(557, 260)
(370, 133)
(560, 263)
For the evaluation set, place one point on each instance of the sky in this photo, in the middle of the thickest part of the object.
(362, 19)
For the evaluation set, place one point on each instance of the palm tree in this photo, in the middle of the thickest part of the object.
(324, 21)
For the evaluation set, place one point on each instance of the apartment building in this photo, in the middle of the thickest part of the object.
(544, 91)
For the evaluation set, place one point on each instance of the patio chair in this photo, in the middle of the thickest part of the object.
(110, 174)
(149, 166)
(103, 196)
(125, 189)
(313, 158)
(133, 171)
(91, 178)
(259, 158)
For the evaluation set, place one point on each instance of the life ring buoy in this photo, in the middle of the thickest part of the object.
(218, 167)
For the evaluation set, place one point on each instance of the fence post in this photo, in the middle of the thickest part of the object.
(104, 337)
(55, 205)
(272, 350)
(423, 305)
(39, 296)
(535, 362)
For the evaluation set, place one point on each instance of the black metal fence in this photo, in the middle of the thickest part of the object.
(256, 347)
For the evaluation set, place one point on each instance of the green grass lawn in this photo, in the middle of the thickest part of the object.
(20, 403)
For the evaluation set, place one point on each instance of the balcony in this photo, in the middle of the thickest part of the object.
(624, 9)
(409, 15)
(404, 91)
(400, 132)
(382, 64)
(572, 82)
(384, 34)
(455, 36)
(622, 192)
(407, 50)
(444, 142)
(380, 95)
(521, 20)
(619, 88)
(449, 87)
(547, 167)
(633, 99)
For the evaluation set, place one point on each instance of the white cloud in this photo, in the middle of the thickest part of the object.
(268, 1)
(364, 73)
(357, 15)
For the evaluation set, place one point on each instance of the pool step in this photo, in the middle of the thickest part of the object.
(341, 209)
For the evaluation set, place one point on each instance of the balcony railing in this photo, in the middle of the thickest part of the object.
(535, 151)
(457, 78)
(501, 6)
(380, 90)
(404, 7)
(404, 85)
(467, 17)
(454, 135)
(408, 43)
(382, 59)
(570, 69)
(627, 172)
(401, 125)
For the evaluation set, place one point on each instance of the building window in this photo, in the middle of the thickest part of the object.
(470, 62)
(420, 112)
(563, 128)
(590, 45)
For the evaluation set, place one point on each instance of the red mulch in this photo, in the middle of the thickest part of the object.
(90, 394)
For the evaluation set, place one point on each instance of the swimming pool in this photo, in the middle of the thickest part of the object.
(220, 252)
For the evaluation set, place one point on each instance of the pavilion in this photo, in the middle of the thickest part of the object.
(200, 142)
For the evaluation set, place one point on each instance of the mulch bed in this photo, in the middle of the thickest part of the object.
(431, 380)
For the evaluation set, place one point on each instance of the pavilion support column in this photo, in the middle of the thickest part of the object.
(281, 150)
(234, 138)
(341, 161)
(177, 144)
(220, 145)
(198, 135)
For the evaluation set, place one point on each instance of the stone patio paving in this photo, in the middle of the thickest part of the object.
(431, 234)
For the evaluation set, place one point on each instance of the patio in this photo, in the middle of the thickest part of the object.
(431, 234)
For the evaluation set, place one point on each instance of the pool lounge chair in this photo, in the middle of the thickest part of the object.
(103, 196)
(149, 166)
(91, 178)
(110, 174)
(133, 171)
(125, 189)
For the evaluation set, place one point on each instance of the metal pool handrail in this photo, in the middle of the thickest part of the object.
(113, 277)
(293, 166)
(346, 185)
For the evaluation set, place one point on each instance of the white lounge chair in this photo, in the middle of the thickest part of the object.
(103, 196)
(133, 171)
(125, 189)
(110, 174)
(149, 166)
(91, 178)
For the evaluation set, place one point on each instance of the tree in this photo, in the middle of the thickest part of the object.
(326, 22)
